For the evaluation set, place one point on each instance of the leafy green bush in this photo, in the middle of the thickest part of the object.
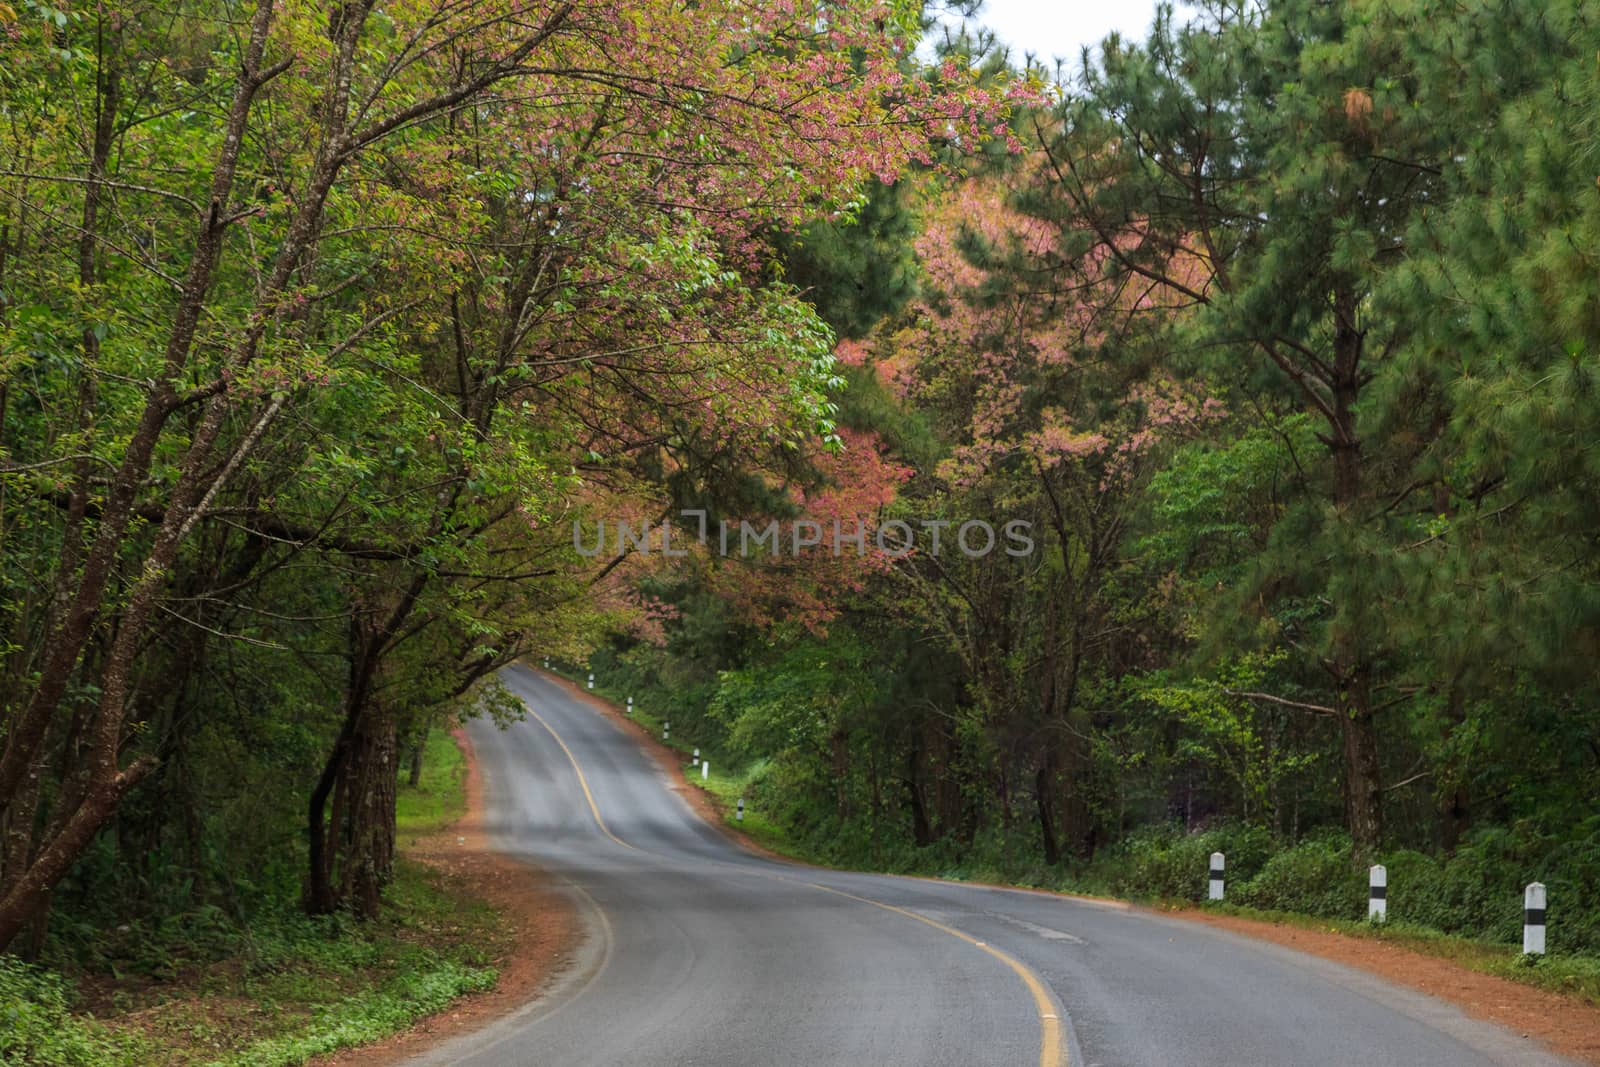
(1470, 893)
(36, 1027)
(1164, 863)
(1477, 892)
(1417, 893)
(1315, 877)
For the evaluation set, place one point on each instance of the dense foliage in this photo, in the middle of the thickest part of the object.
(1281, 332)
(318, 326)
(345, 350)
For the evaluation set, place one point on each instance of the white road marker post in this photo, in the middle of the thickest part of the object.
(738, 816)
(630, 705)
(1533, 901)
(696, 762)
(591, 679)
(1377, 893)
(547, 663)
(666, 729)
(705, 770)
(1215, 892)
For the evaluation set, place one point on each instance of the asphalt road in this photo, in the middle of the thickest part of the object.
(700, 953)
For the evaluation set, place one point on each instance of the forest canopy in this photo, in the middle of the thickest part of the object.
(323, 327)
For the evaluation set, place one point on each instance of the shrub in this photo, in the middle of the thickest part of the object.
(1478, 892)
(1315, 877)
(36, 1027)
(1164, 863)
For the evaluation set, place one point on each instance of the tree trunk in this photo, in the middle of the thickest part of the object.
(921, 831)
(839, 742)
(19, 823)
(414, 777)
(1075, 816)
(1363, 791)
(1455, 813)
(1456, 818)
(946, 790)
(876, 779)
(32, 890)
(369, 642)
(1044, 791)
(371, 775)
(33, 935)
(1363, 779)
(323, 841)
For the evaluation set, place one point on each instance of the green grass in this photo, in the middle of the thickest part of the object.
(377, 1014)
(727, 787)
(37, 1027)
(440, 797)
(304, 986)
(428, 949)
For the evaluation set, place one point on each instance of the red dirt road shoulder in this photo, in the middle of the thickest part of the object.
(542, 929)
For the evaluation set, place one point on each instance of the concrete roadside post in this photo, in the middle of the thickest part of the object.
(591, 679)
(738, 815)
(696, 762)
(1215, 892)
(705, 770)
(1378, 893)
(630, 705)
(1533, 901)
(666, 729)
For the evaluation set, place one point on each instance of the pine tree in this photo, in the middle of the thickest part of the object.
(1263, 165)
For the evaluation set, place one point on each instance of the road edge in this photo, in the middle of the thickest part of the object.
(670, 761)
(551, 945)
(1058, 1040)
(1538, 1007)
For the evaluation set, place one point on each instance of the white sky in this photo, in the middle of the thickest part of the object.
(1053, 29)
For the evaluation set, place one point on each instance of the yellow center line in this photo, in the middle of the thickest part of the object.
(1052, 1053)
(594, 809)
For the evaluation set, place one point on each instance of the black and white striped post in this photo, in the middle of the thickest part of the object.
(1216, 877)
(547, 663)
(591, 679)
(1533, 900)
(666, 729)
(696, 762)
(738, 814)
(1378, 893)
(630, 705)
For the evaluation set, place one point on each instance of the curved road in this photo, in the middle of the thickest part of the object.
(700, 953)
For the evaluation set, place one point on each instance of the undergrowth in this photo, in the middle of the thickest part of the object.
(274, 987)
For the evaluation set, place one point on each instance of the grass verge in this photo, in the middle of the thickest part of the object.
(440, 796)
